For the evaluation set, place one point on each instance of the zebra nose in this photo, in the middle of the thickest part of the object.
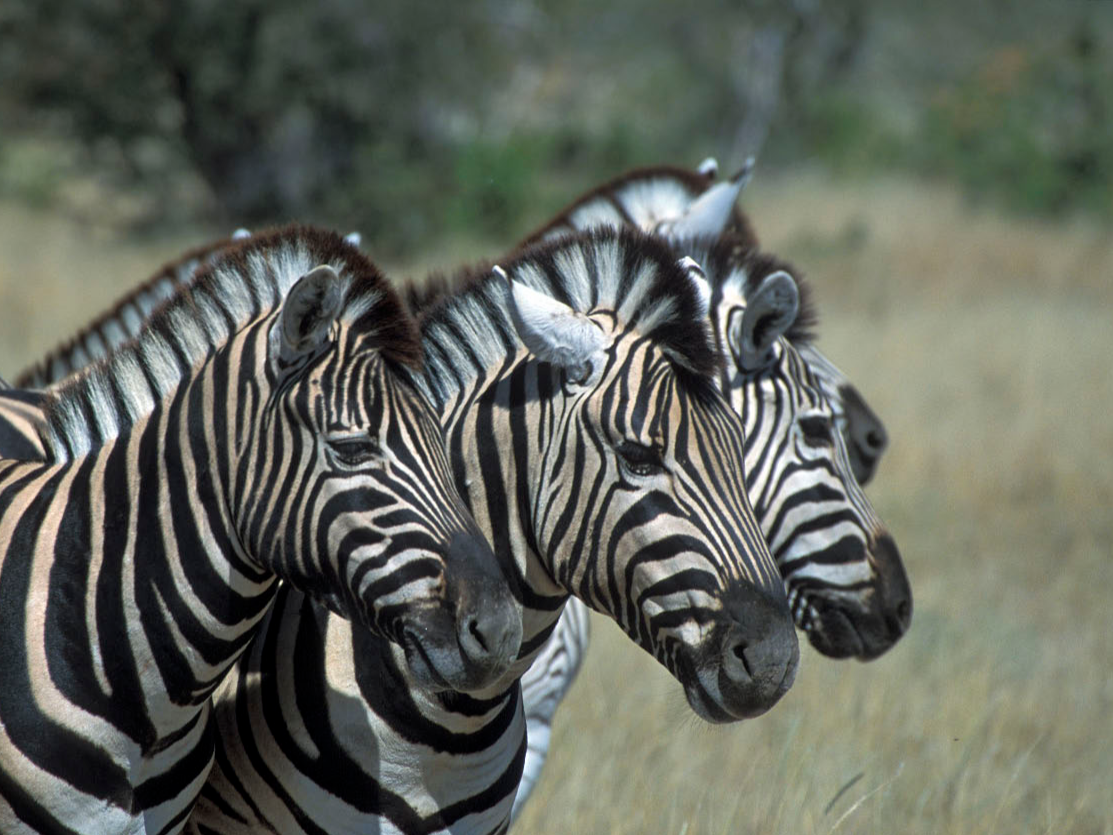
(488, 626)
(895, 590)
(489, 637)
(760, 651)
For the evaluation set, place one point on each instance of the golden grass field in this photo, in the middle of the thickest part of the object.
(986, 344)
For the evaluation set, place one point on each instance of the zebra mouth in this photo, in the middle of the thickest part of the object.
(736, 676)
(832, 633)
(838, 634)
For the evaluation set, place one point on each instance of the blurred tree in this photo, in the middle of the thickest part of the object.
(269, 102)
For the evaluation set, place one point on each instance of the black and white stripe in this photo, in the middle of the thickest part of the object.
(660, 199)
(261, 424)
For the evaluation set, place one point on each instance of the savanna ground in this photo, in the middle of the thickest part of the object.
(986, 345)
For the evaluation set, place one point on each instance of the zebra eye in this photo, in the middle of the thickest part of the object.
(817, 431)
(353, 450)
(639, 459)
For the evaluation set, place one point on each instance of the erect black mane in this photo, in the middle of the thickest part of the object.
(243, 281)
(465, 320)
(691, 180)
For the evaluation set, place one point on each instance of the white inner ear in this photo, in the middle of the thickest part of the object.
(770, 310)
(553, 331)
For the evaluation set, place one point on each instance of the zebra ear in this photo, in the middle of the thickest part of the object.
(699, 280)
(769, 311)
(553, 331)
(709, 213)
(709, 168)
(308, 312)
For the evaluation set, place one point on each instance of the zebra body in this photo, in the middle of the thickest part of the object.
(603, 461)
(260, 426)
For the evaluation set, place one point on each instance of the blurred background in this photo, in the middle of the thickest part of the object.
(942, 172)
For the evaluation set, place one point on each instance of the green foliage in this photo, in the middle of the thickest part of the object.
(845, 132)
(409, 119)
(1033, 130)
(493, 184)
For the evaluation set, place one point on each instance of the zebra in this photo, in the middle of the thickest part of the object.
(261, 424)
(865, 435)
(846, 582)
(681, 202)
(576, 391)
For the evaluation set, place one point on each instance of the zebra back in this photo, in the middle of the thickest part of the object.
(643, 198)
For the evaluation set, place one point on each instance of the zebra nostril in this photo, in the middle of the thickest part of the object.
(477, 633)
(874, 440)
(739, 651)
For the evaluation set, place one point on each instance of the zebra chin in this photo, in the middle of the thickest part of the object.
(465, 637)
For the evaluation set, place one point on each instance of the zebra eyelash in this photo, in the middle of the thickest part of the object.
(639, 459)
(353, 449)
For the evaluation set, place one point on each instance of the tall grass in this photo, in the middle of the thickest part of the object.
(985, 345)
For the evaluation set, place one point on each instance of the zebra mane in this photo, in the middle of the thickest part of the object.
(242, 282)
(124, 319)
(467, 328)
(659, 186)
(730, 262)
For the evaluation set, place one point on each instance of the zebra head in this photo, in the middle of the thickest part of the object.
(846, 584)
(861, 428)
(638, 495)
(346, 489)
(682, 203)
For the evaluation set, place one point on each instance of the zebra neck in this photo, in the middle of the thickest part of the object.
(151, 506)
(338, 700)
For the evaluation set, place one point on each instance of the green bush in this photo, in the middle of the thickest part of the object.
(1033, 130)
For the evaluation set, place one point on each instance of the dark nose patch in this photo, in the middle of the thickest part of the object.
(895, 590)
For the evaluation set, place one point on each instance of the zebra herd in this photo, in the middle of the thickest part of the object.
(286, 550)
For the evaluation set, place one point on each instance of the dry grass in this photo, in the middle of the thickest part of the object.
(985, 343)
(987, 346)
